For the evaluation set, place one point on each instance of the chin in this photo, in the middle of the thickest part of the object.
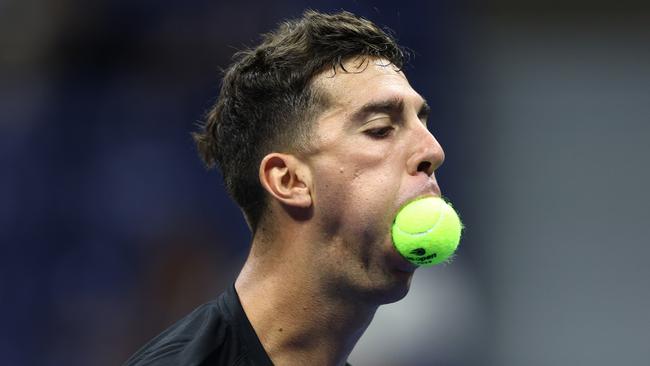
(393, 288)
(400, 288)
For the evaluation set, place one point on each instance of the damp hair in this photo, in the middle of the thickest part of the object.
(268, 102)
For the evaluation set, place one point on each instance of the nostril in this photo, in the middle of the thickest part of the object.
(424, 166)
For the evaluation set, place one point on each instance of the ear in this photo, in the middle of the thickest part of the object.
(287, 179)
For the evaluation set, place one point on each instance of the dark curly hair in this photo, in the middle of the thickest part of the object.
(268, 103)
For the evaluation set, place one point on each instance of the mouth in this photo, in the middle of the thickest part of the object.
(429, 188)
(397, 263)
(402, 265)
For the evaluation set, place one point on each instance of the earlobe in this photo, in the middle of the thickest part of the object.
(286, 179)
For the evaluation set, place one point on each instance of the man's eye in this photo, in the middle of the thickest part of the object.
(380, 132)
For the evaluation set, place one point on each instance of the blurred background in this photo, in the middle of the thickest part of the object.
(111, 229)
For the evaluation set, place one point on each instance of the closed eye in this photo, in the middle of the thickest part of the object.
(380, 133)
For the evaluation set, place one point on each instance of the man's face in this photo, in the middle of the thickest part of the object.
(372, 153)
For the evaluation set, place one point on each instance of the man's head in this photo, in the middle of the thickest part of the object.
(319, 130)
(268, 101)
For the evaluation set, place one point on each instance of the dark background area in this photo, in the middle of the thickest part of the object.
(111, 229)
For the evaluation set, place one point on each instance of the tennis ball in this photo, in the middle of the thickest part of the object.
(426, 231)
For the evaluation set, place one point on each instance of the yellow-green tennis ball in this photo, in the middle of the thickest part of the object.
(426, 231)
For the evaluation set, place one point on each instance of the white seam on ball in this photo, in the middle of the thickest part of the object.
(442, 212)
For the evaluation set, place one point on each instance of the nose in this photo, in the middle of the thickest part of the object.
(426, 153)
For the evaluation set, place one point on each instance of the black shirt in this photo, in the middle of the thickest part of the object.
(217, 333)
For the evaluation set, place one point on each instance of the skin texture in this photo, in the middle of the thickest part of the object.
(322, 261)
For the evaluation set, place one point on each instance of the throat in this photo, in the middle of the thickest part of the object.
(296, 320)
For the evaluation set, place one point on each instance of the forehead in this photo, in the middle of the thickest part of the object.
(361, 80)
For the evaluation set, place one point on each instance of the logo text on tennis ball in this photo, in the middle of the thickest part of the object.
(419, 252)
(426, 231)
(420, 257)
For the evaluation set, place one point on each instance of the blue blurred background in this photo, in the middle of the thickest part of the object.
(111, 229)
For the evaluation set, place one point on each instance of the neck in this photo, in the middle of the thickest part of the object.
(296, 316)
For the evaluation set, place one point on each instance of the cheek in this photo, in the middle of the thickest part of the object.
(375, 174)
(362, 188)
(375, 193)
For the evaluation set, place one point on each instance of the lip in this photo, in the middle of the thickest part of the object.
(400, 264)
(432, 188)
(429, 188)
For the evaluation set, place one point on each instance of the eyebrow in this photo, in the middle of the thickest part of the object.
(393, 105)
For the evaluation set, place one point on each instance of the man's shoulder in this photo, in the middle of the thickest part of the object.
(192, 339)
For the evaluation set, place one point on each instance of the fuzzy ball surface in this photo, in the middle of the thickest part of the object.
(426, 231)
